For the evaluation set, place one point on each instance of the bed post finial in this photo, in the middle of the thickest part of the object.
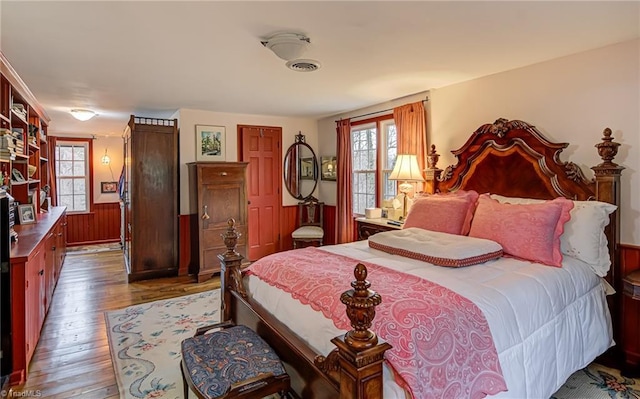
(432, 173)
(230, 264)
(361, 305)
(359, 354)
(607, 149)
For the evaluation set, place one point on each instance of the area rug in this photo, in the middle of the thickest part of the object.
(144, 341)
(145, 349)
(598, 382)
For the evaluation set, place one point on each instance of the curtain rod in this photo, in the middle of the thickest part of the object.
(378, 112)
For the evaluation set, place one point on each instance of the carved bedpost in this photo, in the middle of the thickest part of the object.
(359, 354)
(607, 176)
(230, 265)
(432, 173)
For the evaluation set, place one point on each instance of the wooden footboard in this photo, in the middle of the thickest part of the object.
(352, 370)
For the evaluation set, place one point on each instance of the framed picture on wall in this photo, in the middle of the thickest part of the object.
(328, 169)
(210, 143)
(108, 187)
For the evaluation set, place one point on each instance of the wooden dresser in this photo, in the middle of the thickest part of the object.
(35, 261)
(218, 191)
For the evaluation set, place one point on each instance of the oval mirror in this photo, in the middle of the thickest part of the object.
(300, 169)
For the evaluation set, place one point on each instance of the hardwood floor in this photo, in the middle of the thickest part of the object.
(72, 358)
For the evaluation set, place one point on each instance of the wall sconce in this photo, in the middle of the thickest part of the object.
(106, 160)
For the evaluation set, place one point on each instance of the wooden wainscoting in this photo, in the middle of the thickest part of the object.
(629, 262)
(102, 225)
(330, 231)
(288, 223)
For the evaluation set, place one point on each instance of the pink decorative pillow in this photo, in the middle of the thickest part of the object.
(530, 232)
(447, 213)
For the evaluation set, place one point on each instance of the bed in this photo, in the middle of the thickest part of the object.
(507, 159)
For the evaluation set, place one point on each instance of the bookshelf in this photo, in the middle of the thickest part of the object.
(24, 160)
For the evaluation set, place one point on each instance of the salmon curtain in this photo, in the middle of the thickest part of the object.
(411, 122)
(345, 224)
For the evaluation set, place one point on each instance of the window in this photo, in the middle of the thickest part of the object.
(372, 163)
(72, 175)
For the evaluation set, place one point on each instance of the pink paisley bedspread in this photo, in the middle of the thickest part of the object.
(442, 346)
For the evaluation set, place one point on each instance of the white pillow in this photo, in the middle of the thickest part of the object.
(583, 236)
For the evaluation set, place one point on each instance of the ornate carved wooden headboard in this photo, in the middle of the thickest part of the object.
(512, 158)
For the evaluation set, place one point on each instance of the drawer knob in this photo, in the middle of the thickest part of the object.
(223, 173)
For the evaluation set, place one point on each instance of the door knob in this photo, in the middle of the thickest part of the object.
(205, 215)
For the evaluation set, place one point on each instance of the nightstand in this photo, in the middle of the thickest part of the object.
(368, 227)
(632, 285)
(631, 324)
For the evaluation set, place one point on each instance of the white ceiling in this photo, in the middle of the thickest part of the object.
(150, 58)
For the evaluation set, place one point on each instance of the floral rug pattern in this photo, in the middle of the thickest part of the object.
(598, 382)
(145, 342)
(145, 350)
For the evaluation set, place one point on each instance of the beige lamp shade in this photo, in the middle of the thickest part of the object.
(406, 169)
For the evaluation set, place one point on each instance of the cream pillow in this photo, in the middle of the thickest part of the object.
(583, 236)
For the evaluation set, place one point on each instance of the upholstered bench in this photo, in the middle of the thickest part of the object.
(232, 362)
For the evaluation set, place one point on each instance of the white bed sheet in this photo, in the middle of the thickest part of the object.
(546, 322)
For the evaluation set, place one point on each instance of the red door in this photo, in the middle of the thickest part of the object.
(260, 146)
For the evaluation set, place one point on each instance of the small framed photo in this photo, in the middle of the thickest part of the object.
(108, 187)
(210, 143)
(328, 169)
(307, 171)
(26, 214)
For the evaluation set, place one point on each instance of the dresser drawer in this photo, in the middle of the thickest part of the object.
(222, 174)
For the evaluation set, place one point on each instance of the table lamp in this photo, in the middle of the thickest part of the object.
(406, 169)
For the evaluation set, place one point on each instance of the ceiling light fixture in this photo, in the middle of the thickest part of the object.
(287, 46)
(82, 114)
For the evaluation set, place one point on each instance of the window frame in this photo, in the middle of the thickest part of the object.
(377, 122)
(62, 141)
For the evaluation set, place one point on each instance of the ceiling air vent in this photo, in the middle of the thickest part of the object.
(303, 65)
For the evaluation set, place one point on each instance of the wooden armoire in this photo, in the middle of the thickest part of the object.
(150, 196)
(217, 192)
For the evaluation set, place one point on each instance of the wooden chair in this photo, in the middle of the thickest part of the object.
(310, 228)
(232, 362)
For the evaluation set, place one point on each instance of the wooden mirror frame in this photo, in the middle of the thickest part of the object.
(293, 170)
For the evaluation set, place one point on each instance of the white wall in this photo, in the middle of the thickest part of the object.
(189, 118)
(106, 173)
(570, 99)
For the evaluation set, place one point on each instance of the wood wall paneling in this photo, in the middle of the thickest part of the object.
(288, 223)
(629, 262)
(330, 231)
(102, 225)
